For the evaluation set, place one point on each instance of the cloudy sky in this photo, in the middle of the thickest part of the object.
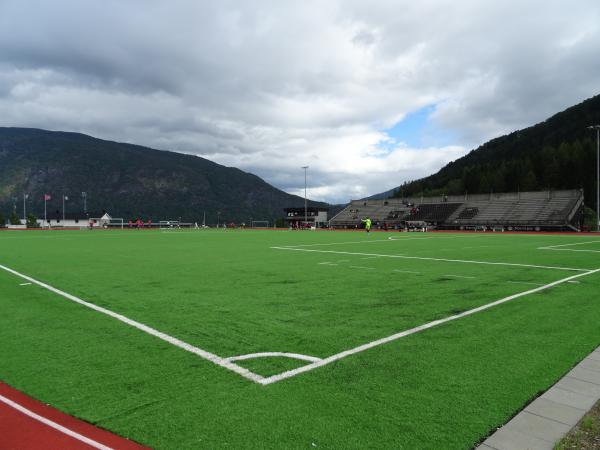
(367, 93)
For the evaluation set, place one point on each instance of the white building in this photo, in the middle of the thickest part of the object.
(74, 220)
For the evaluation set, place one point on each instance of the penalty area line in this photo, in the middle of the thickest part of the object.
(435, 323)
(215, 359)
(423, 258)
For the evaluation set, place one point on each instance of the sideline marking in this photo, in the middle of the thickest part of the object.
(393, 337)
(54, 425)
(362, 267)
(274, 354)
(406, 271)
(24, 284)
(146, 329)
(431, 259)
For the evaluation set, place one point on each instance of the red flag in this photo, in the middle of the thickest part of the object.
(47, 197)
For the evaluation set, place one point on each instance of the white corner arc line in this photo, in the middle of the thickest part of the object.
(424, 258)
(54, 425)
(274, 354)
(435, 323)
(215, 359)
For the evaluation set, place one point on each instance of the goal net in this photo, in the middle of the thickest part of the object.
(260, 224)
(115, 223)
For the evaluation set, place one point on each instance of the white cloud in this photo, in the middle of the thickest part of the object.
(270, 86)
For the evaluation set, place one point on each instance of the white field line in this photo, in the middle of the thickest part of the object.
(274, 354)
(548, 247)
(370, 241)
(327, 263)
(362, 267)
(525, 282)
(556, 247)
(146, 329)
(25, 284)
(458, 276)
(569, 250)
(422, 258)
(54, 425)
(406, 271)
(362, 348)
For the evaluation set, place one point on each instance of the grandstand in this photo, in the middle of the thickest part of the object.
(519, 211)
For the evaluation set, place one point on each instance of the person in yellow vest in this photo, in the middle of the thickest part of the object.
(367, 223)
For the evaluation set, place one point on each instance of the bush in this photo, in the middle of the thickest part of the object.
(32, 221)
(590, 219)
(14, 220)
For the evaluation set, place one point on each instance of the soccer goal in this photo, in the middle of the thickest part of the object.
(260, 224)
(116, 223)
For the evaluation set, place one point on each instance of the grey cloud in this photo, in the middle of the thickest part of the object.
(269, 86)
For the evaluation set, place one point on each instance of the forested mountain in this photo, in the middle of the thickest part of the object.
(128, 180)
(559, 153)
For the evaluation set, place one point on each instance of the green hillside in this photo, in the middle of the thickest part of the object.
(128, 180)
(559, 153)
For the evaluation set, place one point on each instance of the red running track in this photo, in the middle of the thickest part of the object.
(26, 424)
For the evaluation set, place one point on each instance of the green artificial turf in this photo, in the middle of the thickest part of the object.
(232, 293)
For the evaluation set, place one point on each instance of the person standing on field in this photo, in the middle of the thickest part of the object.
(367, 223)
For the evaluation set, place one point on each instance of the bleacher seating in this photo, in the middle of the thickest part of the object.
(433, 213)
(539, 210)
(527, 209)
(468, 213)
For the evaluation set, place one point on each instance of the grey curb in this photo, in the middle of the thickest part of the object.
(551, 416)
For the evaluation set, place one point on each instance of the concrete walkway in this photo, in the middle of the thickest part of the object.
(552, 415)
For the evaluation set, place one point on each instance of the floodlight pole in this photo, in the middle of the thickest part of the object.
(597, 128)
(305, 204)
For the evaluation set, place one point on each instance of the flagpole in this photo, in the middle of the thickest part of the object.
(45, 218)
(63, 209)
(24, 209)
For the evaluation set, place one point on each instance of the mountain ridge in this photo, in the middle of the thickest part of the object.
(557, 153)
(129, 180)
